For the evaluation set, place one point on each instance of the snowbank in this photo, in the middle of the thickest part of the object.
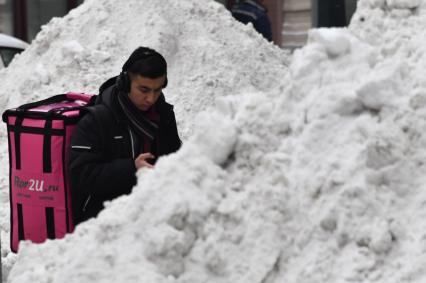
(209, 54)
(311, 175)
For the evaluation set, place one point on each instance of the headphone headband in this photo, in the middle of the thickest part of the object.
(140, 53)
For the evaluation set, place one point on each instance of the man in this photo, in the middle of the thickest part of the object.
(130, 126)
(252, 11)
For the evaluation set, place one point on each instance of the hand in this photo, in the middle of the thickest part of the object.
(141, 160)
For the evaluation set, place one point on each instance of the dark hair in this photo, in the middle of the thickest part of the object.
(146, 62)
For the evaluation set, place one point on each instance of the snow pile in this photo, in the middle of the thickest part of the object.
(210, 55)
(312, 176)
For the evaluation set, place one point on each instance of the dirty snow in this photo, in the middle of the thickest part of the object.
(308, 173)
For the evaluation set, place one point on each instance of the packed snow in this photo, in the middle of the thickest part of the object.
(302, 169)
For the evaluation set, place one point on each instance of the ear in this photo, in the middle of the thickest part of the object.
(123, 82)
(165, 82)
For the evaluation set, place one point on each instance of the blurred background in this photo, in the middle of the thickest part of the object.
(24, 18)
(290, 19)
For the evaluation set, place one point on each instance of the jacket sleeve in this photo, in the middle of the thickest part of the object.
(92, 174)
(176, 141)
(263, 25)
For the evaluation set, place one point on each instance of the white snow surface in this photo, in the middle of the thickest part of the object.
(309, 173)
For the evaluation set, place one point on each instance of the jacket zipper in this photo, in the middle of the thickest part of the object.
(86, 203)
(133, 145)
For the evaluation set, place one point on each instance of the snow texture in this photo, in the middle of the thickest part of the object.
(312, 172)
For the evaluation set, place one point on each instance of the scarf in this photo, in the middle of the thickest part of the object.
(138, 119)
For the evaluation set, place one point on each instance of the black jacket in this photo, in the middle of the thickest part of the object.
(101, 160)
(251, 11)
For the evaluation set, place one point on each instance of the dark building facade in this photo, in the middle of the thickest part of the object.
(290, 19)
(24, 18)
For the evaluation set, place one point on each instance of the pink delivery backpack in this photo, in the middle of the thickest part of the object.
(39, 136)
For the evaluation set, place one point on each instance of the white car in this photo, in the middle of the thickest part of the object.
(9, 47)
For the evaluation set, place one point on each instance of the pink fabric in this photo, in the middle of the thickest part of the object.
(72, 113)
(34, 189)
(46, 108)
(80, 96)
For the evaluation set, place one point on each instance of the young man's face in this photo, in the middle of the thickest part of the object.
(144, 91)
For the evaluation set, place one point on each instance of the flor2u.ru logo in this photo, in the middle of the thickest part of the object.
(34, 185)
